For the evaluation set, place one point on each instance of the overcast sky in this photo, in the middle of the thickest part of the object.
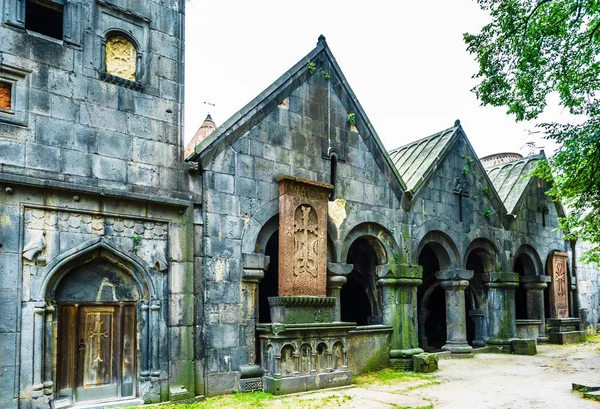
(405, 61)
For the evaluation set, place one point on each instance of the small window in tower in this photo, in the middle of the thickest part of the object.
(45, 17)
(121, 58)
(5, 95)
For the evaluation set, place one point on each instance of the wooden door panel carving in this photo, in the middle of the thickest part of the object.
(96, 351)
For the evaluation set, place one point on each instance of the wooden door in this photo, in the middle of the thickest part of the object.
(97, 351)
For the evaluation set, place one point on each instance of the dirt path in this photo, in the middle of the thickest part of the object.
(486, 381)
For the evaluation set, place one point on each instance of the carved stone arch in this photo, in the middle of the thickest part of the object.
(436, 230)
(378, 236)
(533, 263)
(364, 216)
(253, 237)
(443, 246)
(88, 251)
(487, 253)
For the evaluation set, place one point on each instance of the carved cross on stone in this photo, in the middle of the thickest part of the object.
(460, 189)
(306, 242)
(543, 209)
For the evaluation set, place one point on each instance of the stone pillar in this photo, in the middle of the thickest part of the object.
(501, 307)
(37, 389)
(254, 267)
(154, 335)
(48, 383)
(534, 289)
(454, 283)
(336, 278)
(399, 282)
(145, 369)
(478, 317)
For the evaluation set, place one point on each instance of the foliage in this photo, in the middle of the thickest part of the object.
(536, 48)
(390, 376)
(352, 118)
(487, 213)
(485, 190)
(469, 160)
(465, 170)
(311, 66)
(326, 75)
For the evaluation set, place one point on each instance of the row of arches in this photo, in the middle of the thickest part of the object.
(437, 252)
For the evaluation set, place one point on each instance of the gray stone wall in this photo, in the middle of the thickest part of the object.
(84, 130)
(87, 160)
(241, 196)
(436, 207)
(588, 284)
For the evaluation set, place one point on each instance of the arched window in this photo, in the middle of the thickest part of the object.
(120, 57)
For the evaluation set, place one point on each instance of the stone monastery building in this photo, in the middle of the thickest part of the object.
(287, 249)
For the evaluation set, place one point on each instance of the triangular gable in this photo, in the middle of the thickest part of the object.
(245, 119)
(512, 181)
(419, 161)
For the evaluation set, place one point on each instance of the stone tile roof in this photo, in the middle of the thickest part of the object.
(207, 127)
(510, 179)
(415, 160)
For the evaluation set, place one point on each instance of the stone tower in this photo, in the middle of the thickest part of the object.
(95, 205)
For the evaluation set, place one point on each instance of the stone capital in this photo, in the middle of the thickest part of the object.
(339, 269)
(455, 285)
(500, 280)
(254, 266)
(535, 282)
(399, 271)
(454, 275)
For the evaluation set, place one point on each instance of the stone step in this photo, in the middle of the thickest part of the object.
(592, 395)
(586, 387)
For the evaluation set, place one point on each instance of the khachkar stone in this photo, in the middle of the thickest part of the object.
(303, 237)
(559, 288)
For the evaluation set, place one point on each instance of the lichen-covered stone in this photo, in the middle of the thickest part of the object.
(524, 346)
(425, 363)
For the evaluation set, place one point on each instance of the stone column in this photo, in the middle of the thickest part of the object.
(145, 369)
(454, 283)
(501, 306)
(154, 335)
(37, 389)
(399, 282)
(478, 317)
(336, 278)
(534, 289)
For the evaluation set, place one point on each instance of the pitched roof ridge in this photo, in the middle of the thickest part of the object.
(530, 158)
(437, 134)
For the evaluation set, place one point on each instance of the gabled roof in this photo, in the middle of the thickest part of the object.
(511, 179)
(416, 160)
(242, 121)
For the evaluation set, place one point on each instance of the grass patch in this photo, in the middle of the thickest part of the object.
(389, 376)
(235, 401)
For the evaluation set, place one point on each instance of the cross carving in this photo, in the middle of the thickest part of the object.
(460, 189)
(543, 209)
(305, 248)
(98, 333)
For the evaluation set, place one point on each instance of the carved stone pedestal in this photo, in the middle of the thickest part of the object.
(565, 331)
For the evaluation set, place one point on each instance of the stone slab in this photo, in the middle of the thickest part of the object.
(592, 395)
(571, 337)
(296, 310)
(524, 346)
(425, 363)
(585, 387)
(282, 386)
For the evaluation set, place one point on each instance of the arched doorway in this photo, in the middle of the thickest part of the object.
(431, 300)
(524, 266)
(359, 296)
(479, 261)
(97, 346)
(268, 286)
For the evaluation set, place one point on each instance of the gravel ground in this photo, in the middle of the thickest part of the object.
(486, 381)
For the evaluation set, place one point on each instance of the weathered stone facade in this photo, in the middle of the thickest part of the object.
(103, 222)
(96, 209)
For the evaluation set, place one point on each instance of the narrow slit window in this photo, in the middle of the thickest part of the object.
(121, 58)
(45, 17)
(5, 95)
